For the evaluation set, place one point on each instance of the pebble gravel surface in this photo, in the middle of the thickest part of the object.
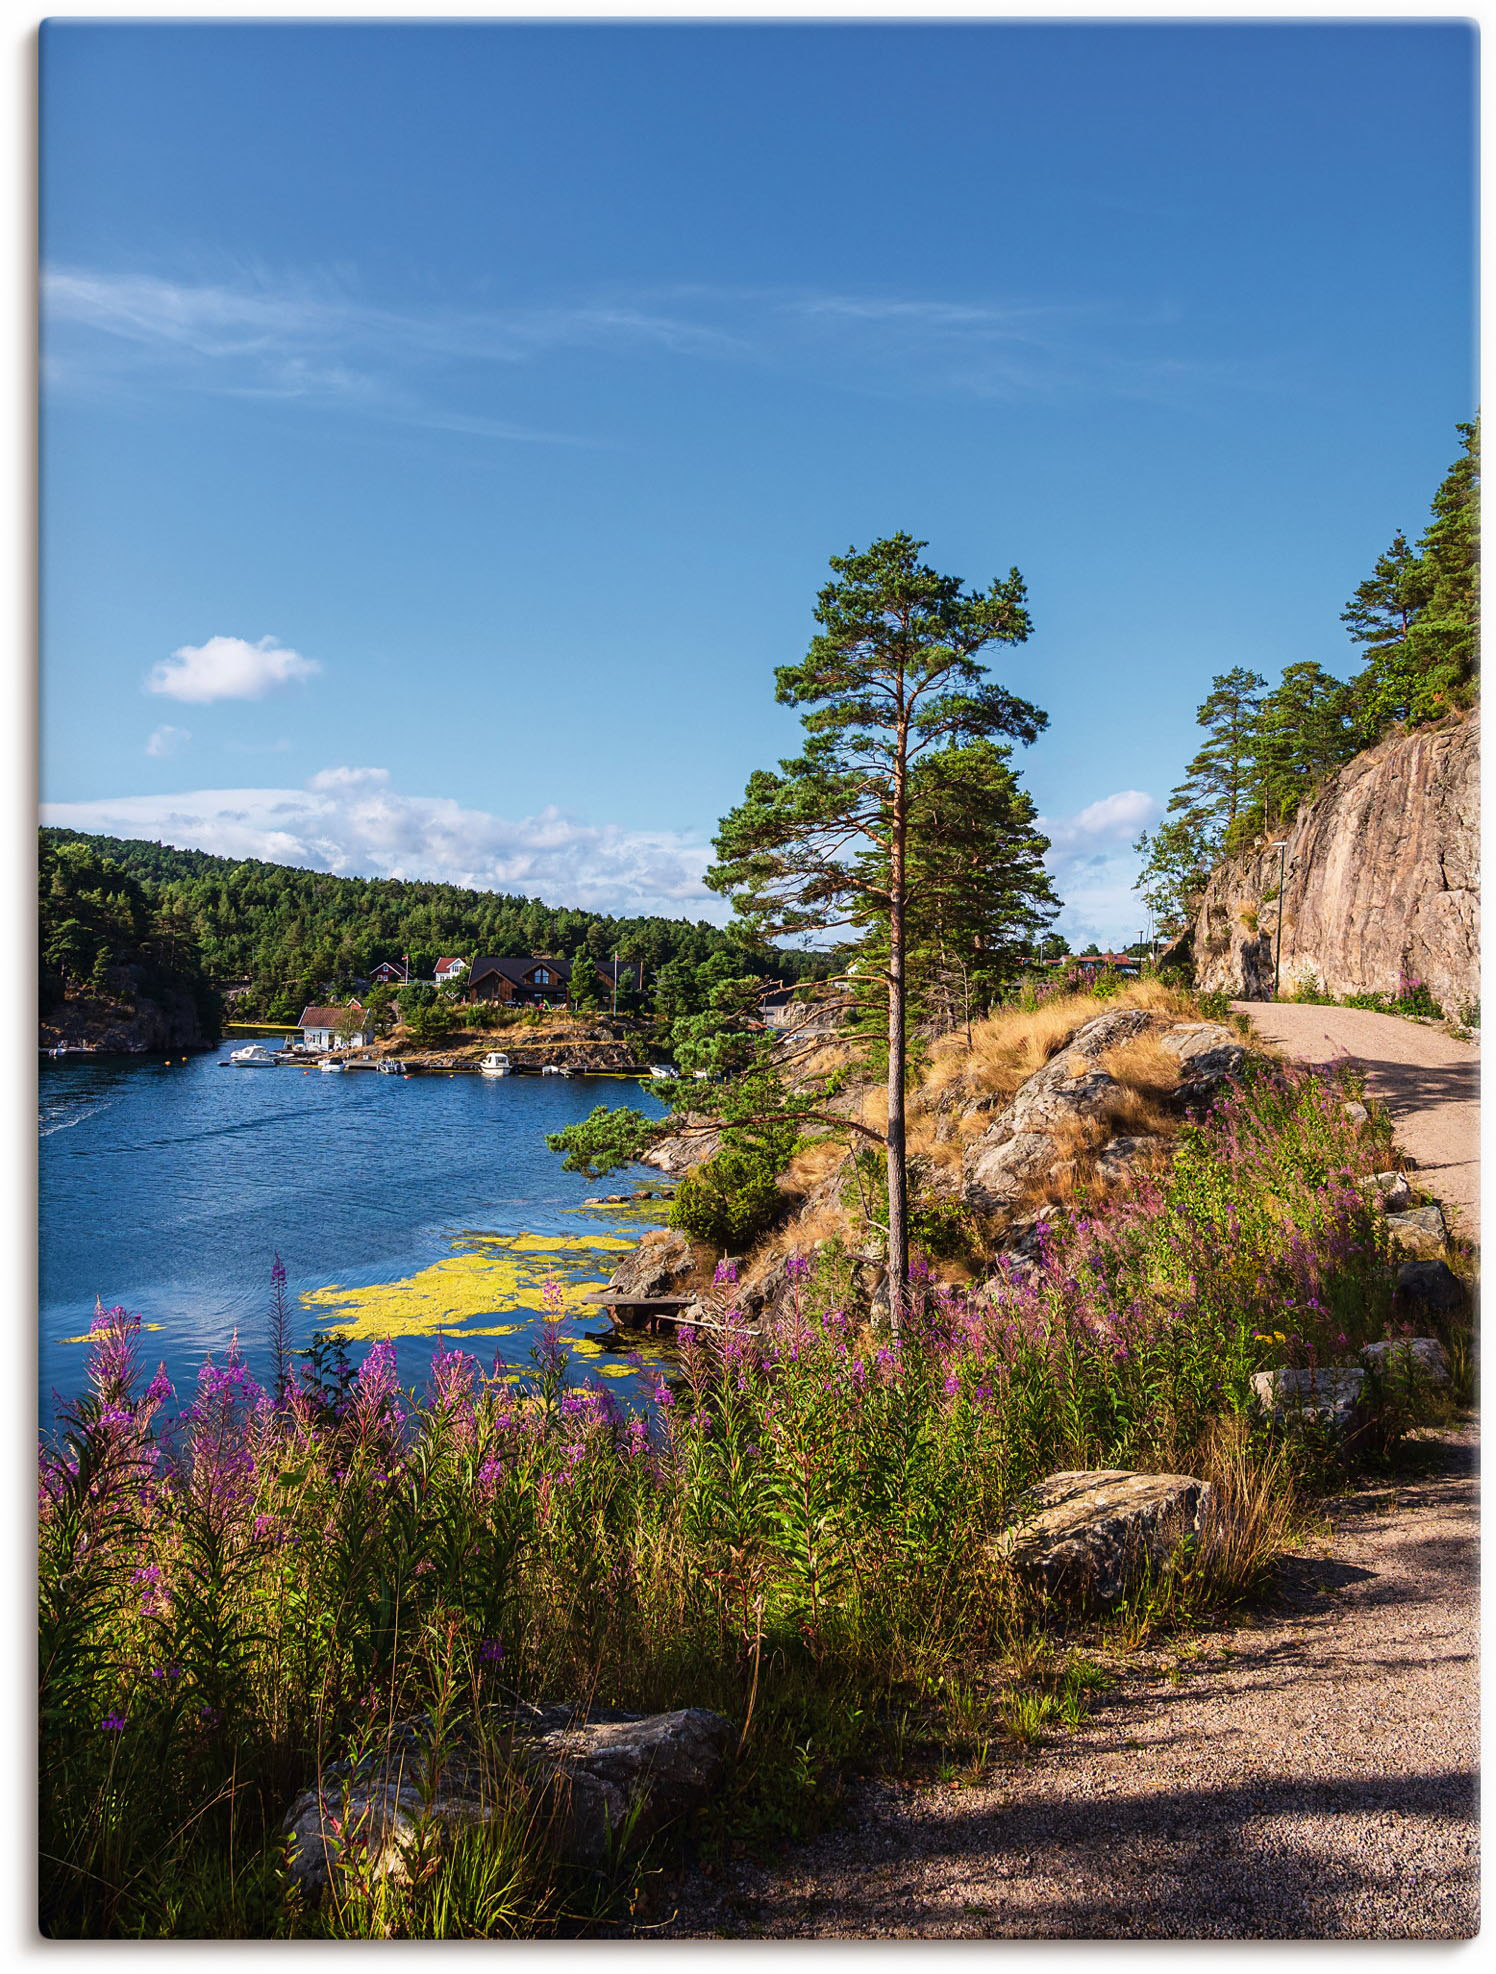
(1309, 1774)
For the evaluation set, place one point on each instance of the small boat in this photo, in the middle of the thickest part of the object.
(665, 1073)
(553, 1069)
(495, 1064)
(255, 1056)
(60, 1050)
(391, 1068)
(330, 1066)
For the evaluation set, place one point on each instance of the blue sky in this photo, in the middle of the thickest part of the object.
(446, 427)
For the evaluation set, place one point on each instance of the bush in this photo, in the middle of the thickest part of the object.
(1214, 1006)
(729, 1201)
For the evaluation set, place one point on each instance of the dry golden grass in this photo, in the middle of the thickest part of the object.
(1010, 1044)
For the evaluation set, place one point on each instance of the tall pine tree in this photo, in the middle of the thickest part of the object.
(892, 677)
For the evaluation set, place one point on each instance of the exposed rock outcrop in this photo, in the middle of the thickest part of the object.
(163, 1021)
(1020, 1145)
(662, 1264)
(1381, 881)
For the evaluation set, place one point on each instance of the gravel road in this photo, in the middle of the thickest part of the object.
(1309, 1775)
(1428, 1081)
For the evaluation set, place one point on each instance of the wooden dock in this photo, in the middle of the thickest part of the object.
(663, 1315)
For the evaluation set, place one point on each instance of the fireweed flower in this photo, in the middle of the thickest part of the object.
(491, 1652)
(796, 1268)
(726, 1271)
(553, 1297)
(113, 1724)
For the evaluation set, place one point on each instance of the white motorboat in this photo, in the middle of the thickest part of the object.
(664, 1073)
(390, 1067)
(553, 1069)
(330, 1066)
(495, 1064)
(255, 1056)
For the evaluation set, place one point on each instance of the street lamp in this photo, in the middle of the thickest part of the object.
(1281, 846)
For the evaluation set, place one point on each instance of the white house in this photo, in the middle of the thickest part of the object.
(447, 970)
(319, 1029)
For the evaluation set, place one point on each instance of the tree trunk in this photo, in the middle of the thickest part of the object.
(898, 1202)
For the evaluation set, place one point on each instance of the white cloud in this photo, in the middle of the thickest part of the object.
(1114, 819)
(166, 741)
(1094, 867)
(351, 821)
(228, 668)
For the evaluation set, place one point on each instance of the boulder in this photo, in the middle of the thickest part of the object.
(610, 1780)
(1431, 1286)
(1357, 1113)
(1325, 1397)
(1408, 1360)
(1421, 1231)
(1390, 1190)
(1085, 1536)
(660, 1265)
(618, 1776)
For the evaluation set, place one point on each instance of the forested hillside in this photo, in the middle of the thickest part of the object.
(116, 952)
(1417, 619)
(294, 934)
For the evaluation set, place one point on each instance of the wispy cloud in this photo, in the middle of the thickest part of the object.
(320, 342)
(228, 668)
(1093, 866)
(352, 821)
(166, 741)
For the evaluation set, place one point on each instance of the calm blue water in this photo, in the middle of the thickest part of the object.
(170, 1190)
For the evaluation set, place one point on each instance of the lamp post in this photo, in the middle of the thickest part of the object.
(1281, 846)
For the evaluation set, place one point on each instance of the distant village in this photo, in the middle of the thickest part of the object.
(545, 982)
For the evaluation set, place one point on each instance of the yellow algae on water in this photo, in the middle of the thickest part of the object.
(500, 1273)
(92, 1336)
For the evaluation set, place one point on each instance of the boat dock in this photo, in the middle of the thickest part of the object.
(663, 1315)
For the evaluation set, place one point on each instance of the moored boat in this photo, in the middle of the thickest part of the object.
(495, 1063)
(254, 1056)
(330, 1066)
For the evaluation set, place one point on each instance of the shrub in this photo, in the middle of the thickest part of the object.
(729, 1201)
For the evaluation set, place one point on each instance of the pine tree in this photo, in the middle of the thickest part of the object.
(1218, 785)
(1418, 614)
(892, 676)
(979, 894)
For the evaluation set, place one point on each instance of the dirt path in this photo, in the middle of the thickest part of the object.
(1310, 1775)
(1428, 1081)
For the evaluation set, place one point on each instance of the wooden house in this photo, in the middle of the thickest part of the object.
(319, 1029)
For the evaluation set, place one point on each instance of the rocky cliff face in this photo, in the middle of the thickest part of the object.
(150, 1025)
(1381, 881)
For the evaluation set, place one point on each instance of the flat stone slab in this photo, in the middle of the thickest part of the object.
(1084, 1536)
